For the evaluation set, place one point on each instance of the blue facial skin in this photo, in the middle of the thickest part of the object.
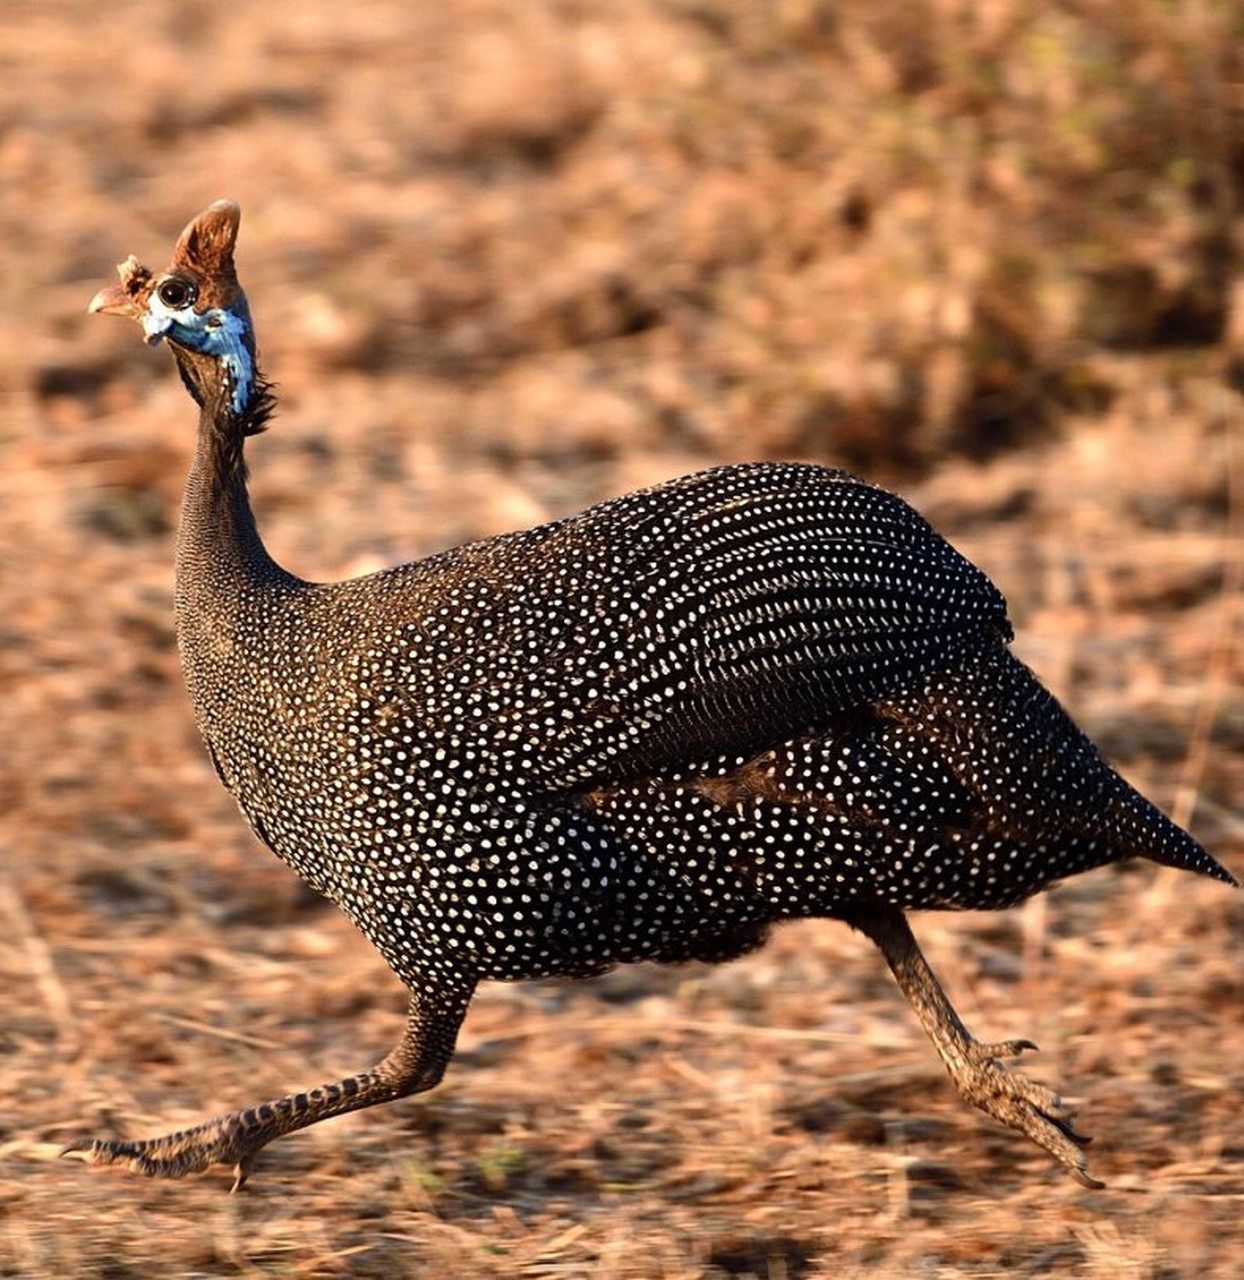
(215, 332)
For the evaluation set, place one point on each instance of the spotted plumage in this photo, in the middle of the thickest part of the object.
(648, 731)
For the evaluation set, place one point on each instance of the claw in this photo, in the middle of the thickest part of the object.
(1065, 1127)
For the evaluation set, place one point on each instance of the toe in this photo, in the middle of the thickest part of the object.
(1064, 1126)
(96, 1151)
(1062, 1142)
(241, 1174)
(172, 1156)
(1027, 1107)
(1038, 1096)
(1010, 1048)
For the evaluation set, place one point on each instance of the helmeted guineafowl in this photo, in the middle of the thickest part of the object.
(646, 732)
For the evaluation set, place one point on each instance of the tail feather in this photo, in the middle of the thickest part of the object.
(1036, 774)
(1172, 846)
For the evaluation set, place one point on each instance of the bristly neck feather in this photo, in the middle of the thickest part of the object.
(221, 558)
(238, 408)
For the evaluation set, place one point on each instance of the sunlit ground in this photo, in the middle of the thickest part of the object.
(508, 259)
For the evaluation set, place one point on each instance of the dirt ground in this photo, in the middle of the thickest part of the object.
(506, 259)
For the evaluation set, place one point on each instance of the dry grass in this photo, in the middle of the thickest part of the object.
(506, 259)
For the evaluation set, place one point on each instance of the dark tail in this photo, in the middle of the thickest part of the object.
(1130, 825)
(1172, 846)
(1042, 781)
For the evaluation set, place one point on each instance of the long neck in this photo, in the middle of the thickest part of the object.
(228, 586)
(222, 564)
(218, 544)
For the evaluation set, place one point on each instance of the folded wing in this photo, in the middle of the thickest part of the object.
(735, 608)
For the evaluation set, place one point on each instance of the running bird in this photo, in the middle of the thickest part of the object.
(646, 732)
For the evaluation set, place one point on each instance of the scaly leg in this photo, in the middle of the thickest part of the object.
(1017, 1102)
(415, 1064)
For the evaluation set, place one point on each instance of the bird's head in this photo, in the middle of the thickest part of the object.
(198, 307)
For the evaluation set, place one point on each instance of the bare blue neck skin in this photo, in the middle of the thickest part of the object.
(221, 334)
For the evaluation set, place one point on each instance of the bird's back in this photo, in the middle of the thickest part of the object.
(697, 621)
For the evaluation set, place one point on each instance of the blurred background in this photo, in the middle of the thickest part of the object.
(509, 258)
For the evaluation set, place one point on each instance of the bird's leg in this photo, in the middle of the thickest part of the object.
(416, 1063)
(981, 1079)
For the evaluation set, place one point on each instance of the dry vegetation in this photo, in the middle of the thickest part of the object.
(509, 258)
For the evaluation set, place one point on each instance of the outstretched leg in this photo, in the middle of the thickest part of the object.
(981, 1079)
(416, 1063)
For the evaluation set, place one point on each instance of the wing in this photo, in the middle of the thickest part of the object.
(723, 613)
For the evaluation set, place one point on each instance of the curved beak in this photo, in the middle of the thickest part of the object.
(128, 296)
(113, 300)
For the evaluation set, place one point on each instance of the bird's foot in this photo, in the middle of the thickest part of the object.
(1021, 1104)
(225, 1140)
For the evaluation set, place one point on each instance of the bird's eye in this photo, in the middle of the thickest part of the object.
(176, 293)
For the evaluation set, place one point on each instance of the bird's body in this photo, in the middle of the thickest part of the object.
(648, 731)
